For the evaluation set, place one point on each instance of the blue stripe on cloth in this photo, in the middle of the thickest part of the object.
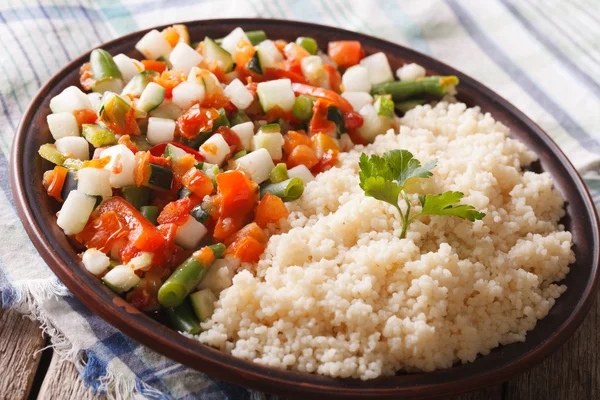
(53, 12)
(58, 39)
(86, 13)
(523, 80)
(5, 179)
(9, 294)
(6, 112)
(25, 54)
(556, 52)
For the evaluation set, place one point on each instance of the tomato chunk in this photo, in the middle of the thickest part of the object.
(270, 210)
(158, 66)
(176, 212)
(195, 121)
(102, 232)
(197, 182)
(324, 94)
(54, 181)
(237, 197)
(247, 244)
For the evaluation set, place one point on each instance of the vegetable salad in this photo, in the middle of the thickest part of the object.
(167, 164)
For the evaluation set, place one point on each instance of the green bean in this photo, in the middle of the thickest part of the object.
(97, 135)
(185, 278)
(303, 107)
(404, 106)
(151, 213)
(239, 118)
(384, 107)
(239, 154)
(256, 37)
(436, 86)
(103, 66)
(279, 173)
(183, 319)
(288, 190)
(138, 196)
(308, 43)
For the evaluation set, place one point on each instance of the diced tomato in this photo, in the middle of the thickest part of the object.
(280, 73)
(319, 122)
(159, 150)
(345, 53)
(252, 230)
(102, 232)
(85, 116)
(237, 198)
(182, 165)
(270, 210)
(54, 181)
(353, 120)
(142, 170)
(196, 120)
(335, 78)
(176, 212)
(142, 234)
(326, 162)
(197, 182)
(169, 80)
(171, 35)
(328, 95)
(302, 155)
(205, 255)
(168, 230)
(86, 78)
(158, 66)
(126, 141)
(231, 138)
(247, 249)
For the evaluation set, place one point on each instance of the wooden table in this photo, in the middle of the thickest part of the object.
(28, 370)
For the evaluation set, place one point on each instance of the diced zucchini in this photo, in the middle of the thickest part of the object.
(211, 170)
(62, 124)
(107, 76)
(97, 135)
(254, 63)
(268, 54)
(153, 45)
(245, 132)
(239, 118)
(183, 192)
(138, 83)
(167, 109)
(203, 303)
(273, 142)
(200, 213)
(160, 130)
(114, 111)
(150, 213)
(335, 115)
(137, 196)
(190, 234)
(270, 128)
(222, 120)
(151, 97)
(213, 52)
(141, 142)
(276, 93)
(49, 152)
(160, 178)
(73, 164)
(121, 278)
(174, 152)
(187, 93)
(69, 185)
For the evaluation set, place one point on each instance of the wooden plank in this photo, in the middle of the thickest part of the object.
(62, 382)
(572, 373)
(491, 393)
(20, 339)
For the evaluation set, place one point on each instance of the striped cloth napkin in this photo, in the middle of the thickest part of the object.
(543, 56)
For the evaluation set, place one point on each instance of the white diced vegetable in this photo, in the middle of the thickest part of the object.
(276, 93)
(160, 130)
(69, 100)
(272, 142)
(231, 41)
(166, 110)
(373, 124)
(144, 260)
(379, 68)
(410, 72)
(151, 97)
(95, 100)
(190, 233)
(258, 164)
(358, 99)
(269, 55)
(62, 124)
(121, 165)
(239, 95)
(127, 66)
(312, 69)
(245, 132)
(215, 149)
(187, 93)
(301, 171)
(346, 143)
(75, 212)
(95, 261)
(74, 146)
(218, 276)
(94, 182)
(203, 303)
(121, 278)
(183, 58)
(356, 79)
(153, 45)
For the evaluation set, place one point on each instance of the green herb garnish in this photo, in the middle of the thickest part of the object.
(384, 178)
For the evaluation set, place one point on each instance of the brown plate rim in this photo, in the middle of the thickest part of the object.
(222, 366)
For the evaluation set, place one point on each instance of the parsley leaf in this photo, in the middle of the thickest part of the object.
(376, 179)
(405, 167)
(444, 204)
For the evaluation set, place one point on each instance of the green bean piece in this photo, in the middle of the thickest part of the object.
(50, 152)
(103, 66)
(137, 196)
(405, 106)
(308, 43)
(185, 278)
(436, 86)
(303, 107)
(97, 135)
(239, 118)
(288, 190)
(183, 319)
(279, 173)
(256, 37)
(151, 213)
(384, 106)
(239, 154)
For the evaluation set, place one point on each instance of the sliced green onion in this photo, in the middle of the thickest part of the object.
(308, 43)
(239, 154)
(279, 173)
(436, 86)
(288, 190)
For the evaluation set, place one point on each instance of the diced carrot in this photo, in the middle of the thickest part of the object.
(247, 249)
(100, 162)
(335, 78)
(126, 141)
(54, 181)
(171, 35)
(86, 78)
(345, 53)
(158, 66)
(322, 144)
(293, 51)
(176, 212)
(102, 232)
(252, 230)
(205, 255)
(85, 116)
(270, 210)
(302, 155)
(197, 182)
(293, 139)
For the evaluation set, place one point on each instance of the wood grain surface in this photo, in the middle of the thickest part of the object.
(62, 382)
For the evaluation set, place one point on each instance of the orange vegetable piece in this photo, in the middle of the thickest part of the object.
(171, 35)
(323, 144)
(270, 209)
(85, 116)
(176, 212)
(196, 120)
(197, 182)
(102, 232)
(54, 181)
(247, 249)
(205, 255)
(345, 53)
(304, 155)
(158, 66)
(293, 139)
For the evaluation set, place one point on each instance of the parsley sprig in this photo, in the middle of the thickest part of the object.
(385, 177)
